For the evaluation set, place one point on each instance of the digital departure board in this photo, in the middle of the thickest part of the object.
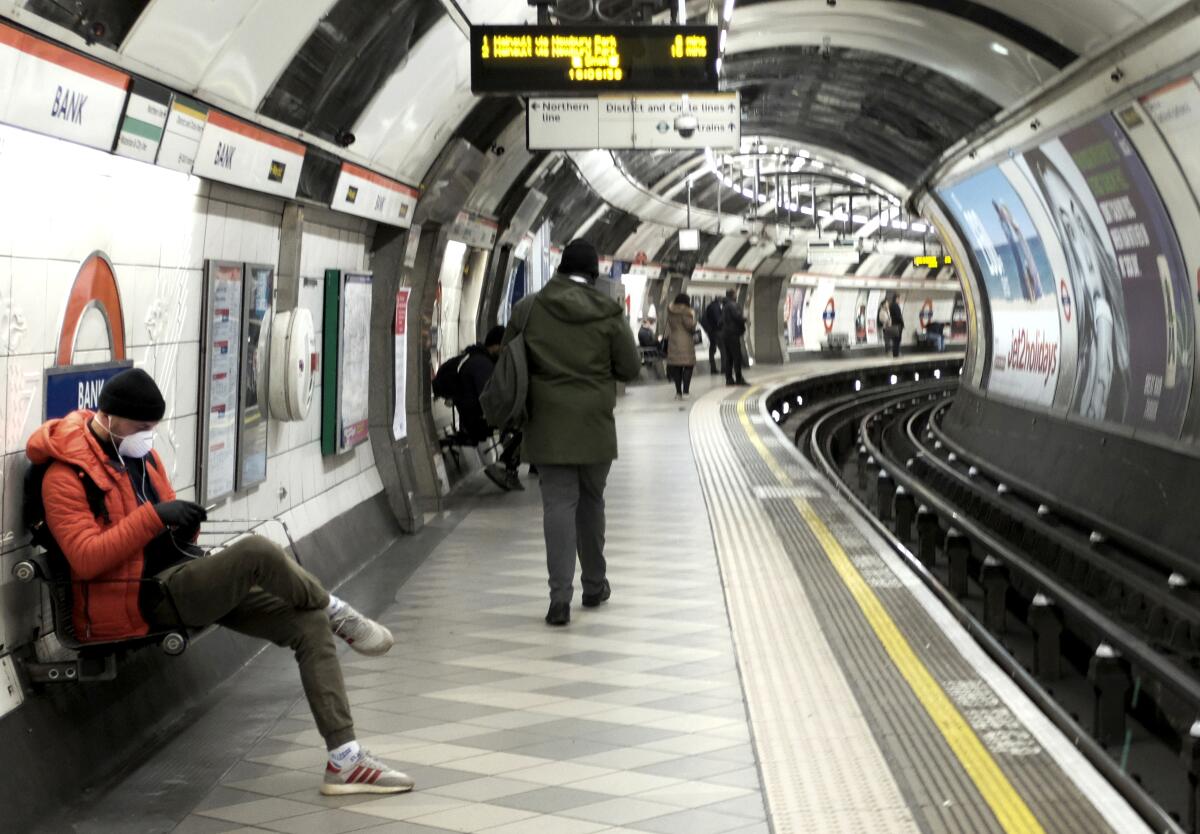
(522, 60)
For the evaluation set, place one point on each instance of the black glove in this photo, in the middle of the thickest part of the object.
(180, 514)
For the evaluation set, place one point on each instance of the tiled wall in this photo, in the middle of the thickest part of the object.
(58, 204)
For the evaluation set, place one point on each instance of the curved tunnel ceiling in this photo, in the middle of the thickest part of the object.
(886, 84)
(888, 113)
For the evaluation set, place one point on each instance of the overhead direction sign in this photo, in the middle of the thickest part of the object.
(643, 122)
(591, 59)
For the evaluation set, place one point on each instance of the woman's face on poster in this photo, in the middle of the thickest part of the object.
(1076, 228)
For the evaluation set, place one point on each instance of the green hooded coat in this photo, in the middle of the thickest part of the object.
(578, 344)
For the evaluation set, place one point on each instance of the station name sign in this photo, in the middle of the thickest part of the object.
(593, 59)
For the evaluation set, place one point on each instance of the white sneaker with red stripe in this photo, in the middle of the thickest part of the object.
(366, 774)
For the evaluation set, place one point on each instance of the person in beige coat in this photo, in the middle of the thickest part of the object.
(681, 344)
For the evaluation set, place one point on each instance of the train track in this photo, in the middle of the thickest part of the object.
(1101, 629)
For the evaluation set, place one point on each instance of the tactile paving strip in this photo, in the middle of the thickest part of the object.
(923, 770)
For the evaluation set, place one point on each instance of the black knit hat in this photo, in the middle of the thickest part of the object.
(580, 258)
(494, 336)
(132, 394)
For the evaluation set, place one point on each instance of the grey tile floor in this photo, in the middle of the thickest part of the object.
(632, 719)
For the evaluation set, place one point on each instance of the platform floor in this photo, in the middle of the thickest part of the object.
(763, 665)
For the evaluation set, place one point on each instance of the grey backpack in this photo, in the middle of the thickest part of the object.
(504, 399)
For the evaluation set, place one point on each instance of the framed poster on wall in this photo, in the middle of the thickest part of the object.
(258, 293)
(221, 359)
(346, 376)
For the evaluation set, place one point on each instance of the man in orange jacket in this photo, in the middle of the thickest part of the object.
(145, 532)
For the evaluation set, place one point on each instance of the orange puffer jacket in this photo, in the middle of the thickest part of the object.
(104, 556)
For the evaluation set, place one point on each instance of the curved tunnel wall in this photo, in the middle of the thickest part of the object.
(1083, 262)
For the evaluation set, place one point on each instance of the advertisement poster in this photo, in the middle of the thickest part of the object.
(793, 313)
(1022, 296)
(860, 317)
(1131, 291)
(224, 339)
(875, 302)
(400, 368)
(354, 379)
(252, 442)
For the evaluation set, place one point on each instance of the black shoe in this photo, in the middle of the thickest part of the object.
(592, 600)
(559, 613)
(498, 476)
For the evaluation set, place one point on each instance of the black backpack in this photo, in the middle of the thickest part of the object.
(35, 510)
(445, 381)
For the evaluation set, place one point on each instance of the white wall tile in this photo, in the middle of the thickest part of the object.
(23, 410)
(214, 230)
(187, 378)
(29, 303)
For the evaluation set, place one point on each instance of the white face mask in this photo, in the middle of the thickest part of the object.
(136, 445)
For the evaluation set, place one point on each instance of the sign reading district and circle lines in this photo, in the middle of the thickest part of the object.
(830, 315)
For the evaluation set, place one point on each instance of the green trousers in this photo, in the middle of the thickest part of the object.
(255, 588)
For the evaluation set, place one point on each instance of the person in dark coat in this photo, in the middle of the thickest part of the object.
(711, 324)
(733, 327)
(578, 346)
(473, 375)
(896, 330)
(646, 337)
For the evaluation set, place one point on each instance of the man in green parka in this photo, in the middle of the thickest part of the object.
(579, 345)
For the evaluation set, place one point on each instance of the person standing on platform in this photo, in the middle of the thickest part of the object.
(578, 346)
(711, 322)
(135, 569)
(733, 328)
(681, 344)
(896, 328)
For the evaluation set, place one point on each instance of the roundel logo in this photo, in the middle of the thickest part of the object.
(926, 315)
(1065, 296)
(663, 127)
(829, 316)
(94, 303)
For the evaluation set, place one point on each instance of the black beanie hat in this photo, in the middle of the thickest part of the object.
(132, 394)
(494, 336)
(580, 258)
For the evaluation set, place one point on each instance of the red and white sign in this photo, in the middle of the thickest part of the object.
(400, 412)
(239, 153)
(475, 230)
(721, 275)
(366, 194)
(51, 90)
(830, 315)
(926, 314)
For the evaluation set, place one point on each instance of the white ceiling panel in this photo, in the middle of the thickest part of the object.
(420, 106)
(183, 37)
(950, 45)
(1082, 25)
(260, 49)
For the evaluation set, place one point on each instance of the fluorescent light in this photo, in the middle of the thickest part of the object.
(919, 227)
(720, 61)
(999, 48)
(721, 42)
(817, 165)
(727, 15)
(858, 178)
(683, 11)
(858, 218)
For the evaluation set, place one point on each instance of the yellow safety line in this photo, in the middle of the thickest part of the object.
(1004, 800)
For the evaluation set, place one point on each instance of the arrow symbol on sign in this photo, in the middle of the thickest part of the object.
(533, 105)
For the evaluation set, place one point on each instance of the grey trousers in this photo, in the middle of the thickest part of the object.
(253, 587)
(573, 520)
